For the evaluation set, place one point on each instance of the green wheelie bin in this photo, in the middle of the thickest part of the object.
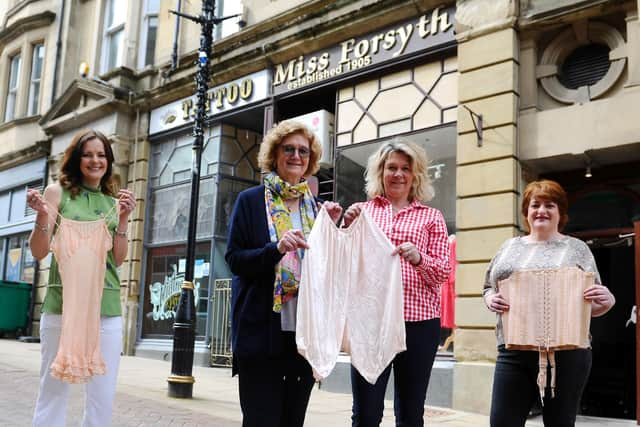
(14, 306)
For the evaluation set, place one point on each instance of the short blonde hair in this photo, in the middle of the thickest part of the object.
(269, 148)
(421, 187)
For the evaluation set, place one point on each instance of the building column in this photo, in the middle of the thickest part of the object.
(131, 269)
(487, 184)
(633, 39)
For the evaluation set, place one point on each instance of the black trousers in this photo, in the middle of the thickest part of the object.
(515, 389)
(274, 391)
(411, 373)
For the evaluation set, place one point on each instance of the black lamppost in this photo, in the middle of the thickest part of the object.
(181, 379)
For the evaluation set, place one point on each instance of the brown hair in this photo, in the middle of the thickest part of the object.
(268, 155)
(70, 173)
(546, 190)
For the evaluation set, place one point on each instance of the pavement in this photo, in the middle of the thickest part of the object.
(142, 400)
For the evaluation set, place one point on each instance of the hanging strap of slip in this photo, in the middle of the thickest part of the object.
(112, 211)
(542, 373)
(552, 363)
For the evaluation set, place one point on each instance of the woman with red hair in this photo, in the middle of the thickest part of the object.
(515, 389)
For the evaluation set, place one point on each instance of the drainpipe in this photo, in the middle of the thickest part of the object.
(176, 35)
(133, 180)
(58, 52)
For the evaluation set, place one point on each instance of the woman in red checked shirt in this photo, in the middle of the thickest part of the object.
(397, 184)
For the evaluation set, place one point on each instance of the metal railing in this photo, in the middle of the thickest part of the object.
(221, 332)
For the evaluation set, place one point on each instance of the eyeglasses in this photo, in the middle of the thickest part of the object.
(290, 151)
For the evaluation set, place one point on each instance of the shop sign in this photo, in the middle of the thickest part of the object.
(164, 297)
(226, 97)
(428, 31)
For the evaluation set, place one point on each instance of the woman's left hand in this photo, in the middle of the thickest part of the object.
(409, 252)
(126, 202)
(334, 210)
(601, 299)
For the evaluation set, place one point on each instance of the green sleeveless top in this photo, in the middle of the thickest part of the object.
(88, 205)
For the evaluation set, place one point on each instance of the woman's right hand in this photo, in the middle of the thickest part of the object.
(351, 214)
(292, 240)
(496, 302)
(36, 201)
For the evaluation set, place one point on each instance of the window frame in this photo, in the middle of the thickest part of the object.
(220, 31)
(109, 34)
(147, 17)
(13, 91)
(34, 94)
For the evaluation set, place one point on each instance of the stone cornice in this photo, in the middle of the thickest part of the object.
(26, 24)
(308, 28)
(17, 122)
(13, 159)
(109, 99)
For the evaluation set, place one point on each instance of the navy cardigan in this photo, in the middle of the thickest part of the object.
(252, 257)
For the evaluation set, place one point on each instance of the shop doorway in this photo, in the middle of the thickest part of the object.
(602, 216)
(611, 388)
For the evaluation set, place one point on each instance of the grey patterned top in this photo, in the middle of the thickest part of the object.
(516, 254)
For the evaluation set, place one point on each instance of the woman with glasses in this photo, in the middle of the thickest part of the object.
(267, 239)
(397, 184)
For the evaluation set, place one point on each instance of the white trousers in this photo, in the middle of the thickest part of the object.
(51, 405)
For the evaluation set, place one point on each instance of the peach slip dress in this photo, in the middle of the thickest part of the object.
(81, 248)
(350, 298)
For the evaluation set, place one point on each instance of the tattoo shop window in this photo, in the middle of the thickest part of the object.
(165, 274)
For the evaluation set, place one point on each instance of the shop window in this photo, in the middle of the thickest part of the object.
(405, 101)
(169, 217)
(229, 165)
(227, 151)
(115, 15)
(440, 145)
(12, 92)
(36, 75)
(148, 32)
(19, 264)
(165, 274)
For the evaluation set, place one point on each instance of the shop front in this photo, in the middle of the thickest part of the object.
(16, 222)
(229, 165)
(397, 81)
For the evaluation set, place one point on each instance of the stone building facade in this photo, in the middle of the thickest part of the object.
(556, 85)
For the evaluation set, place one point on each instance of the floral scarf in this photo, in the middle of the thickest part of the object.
(279, 220)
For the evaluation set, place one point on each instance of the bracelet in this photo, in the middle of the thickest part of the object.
(121, 233)
(43, 228)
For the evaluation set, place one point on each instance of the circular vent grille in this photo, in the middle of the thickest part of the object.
(585, 66)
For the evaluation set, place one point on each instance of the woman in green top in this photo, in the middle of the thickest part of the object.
(85, 192)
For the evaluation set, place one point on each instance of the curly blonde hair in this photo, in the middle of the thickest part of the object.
(70, 174)
(268, 153)
(421, 187)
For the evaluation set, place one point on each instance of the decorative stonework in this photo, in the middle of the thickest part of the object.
(412, 99)
(563, 45)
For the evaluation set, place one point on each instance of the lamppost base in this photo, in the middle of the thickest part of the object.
(181, 386)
